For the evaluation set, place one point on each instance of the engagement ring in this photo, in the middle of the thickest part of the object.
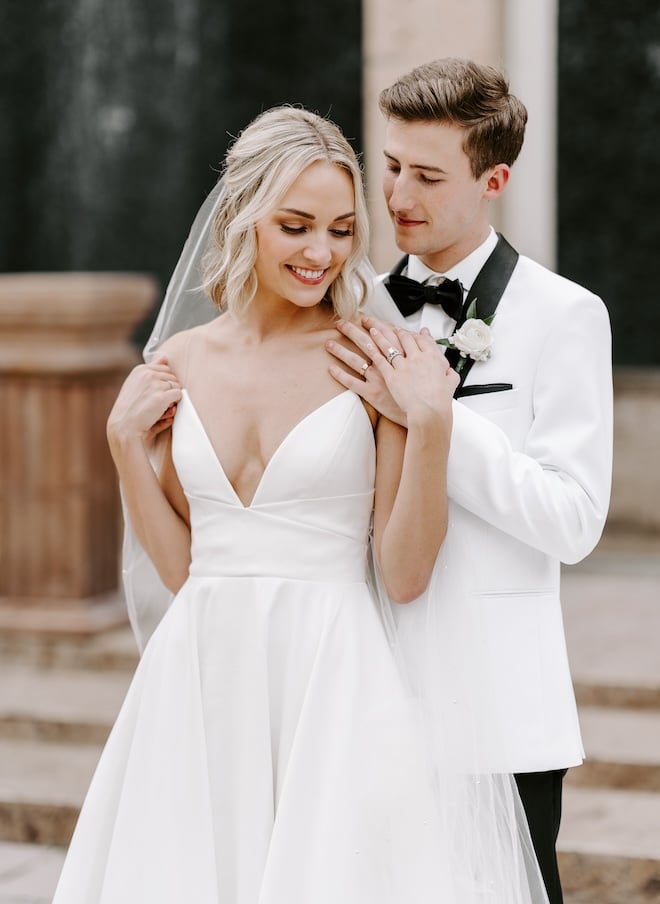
(392, 354)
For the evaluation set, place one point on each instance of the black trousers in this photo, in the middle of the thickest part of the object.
(540, 793)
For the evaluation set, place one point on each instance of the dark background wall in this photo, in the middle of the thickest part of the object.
(115, 116)
(609, 153)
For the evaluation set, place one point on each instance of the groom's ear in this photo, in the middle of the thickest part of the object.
(496, 180)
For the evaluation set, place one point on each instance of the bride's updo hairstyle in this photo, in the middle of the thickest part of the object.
(260, 167)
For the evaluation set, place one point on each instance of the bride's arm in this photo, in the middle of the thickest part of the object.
(144, 409)
(410, 512)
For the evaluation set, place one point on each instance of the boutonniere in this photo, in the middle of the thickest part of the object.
(472, 340)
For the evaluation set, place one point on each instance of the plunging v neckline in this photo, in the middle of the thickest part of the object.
(278, 448)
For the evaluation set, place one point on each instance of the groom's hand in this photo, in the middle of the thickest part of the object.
(368, 384)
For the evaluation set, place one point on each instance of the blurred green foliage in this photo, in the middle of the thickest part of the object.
(115, 116)
(609, 193)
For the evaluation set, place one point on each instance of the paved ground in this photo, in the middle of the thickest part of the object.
(612, 812)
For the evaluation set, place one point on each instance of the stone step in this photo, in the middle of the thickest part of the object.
(612, 619)
(59, 704)
(42, 787)
(619, 695)
(622, 747)
(113, 649)
(609, 846)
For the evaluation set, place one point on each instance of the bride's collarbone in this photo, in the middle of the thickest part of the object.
(250, 398)
(254, 383)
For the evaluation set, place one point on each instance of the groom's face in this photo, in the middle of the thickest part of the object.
(438, 209)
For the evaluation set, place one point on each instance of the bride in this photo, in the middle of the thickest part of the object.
(280, 743)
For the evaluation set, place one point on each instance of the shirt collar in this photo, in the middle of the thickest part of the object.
(466, 270)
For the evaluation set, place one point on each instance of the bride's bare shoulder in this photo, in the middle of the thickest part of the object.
(179, 347)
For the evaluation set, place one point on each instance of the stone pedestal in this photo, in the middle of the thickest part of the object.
(64, 350)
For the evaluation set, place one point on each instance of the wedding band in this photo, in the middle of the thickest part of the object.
(365, 367)
(392, 354)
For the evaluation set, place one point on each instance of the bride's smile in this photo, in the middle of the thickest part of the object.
(305, 241)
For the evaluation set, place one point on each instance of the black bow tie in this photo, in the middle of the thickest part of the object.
(409, 295)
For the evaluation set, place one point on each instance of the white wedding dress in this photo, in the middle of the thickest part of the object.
(266, 752)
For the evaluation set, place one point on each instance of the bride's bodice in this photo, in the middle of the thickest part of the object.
(310, 516)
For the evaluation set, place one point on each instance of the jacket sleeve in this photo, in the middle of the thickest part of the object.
(553, 493)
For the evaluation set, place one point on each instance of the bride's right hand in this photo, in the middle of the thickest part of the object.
(146, 403)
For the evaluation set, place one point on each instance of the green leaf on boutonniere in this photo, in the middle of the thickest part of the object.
(471, 314)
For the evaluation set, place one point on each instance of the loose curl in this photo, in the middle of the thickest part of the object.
(260, 167)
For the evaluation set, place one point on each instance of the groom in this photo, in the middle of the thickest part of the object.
(530, 463)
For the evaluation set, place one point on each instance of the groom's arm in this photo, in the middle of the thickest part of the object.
(553, 494)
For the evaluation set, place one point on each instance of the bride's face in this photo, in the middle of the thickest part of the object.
(304, 242)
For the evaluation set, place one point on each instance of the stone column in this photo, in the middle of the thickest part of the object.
(529, 204)
(396, 38)
(64, 350)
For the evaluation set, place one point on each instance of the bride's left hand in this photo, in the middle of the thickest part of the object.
(419, 378)
(369, 385)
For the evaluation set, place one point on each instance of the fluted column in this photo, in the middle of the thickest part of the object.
(64, 350)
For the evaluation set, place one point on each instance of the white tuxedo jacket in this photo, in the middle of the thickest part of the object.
(529, 476)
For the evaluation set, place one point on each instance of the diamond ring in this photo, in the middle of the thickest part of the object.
(392, 354)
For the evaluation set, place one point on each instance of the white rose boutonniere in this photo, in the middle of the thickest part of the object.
(473, 340)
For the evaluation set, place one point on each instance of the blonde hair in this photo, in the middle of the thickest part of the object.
(468, 95)
(260, 167)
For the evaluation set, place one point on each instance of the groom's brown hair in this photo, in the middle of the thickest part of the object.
(465, 94)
